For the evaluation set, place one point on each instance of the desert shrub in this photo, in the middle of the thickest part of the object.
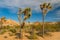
(47, 27)
(52, 27)
(5, 37)
(34, 36)
(11, 34)
(18, 35)
(38, 27)
(8, 27)
(2, 31)
(33, 32)
(17, 27)
(12, 30)
(57, 26)
(27, 29)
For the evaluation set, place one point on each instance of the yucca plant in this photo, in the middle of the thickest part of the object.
(45, 7)
(27, 14)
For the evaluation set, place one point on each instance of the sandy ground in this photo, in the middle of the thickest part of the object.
(54, 36)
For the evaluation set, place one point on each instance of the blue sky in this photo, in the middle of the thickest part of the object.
(9, 9)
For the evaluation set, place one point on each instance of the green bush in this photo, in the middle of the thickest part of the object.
(8, 27)
(12, 30)
(2, 31)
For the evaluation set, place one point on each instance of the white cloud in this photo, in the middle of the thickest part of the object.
(58, 13)
(56, 19)
(34, 4)
(21, 3)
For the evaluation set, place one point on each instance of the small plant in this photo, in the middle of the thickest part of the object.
(8, 27)
(17, 27)
(33, 33)
(12, 30)
(32, 37)
(18, 35)
(5, 37)
(11, 34)
(2, 31)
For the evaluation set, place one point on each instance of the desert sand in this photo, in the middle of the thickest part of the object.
(54, 36)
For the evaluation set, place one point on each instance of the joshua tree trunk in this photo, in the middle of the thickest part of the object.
(19, 18)
(43, 26)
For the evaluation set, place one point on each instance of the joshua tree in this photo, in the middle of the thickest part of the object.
(19, 18)
(27, 14)
(45, 7)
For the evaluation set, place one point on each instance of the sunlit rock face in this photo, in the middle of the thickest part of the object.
(8, 22)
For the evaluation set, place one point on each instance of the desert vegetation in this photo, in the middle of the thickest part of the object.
(31, 31)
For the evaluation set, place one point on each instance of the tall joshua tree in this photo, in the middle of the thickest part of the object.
(19, 18)
(27, 14)
(45, 7)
